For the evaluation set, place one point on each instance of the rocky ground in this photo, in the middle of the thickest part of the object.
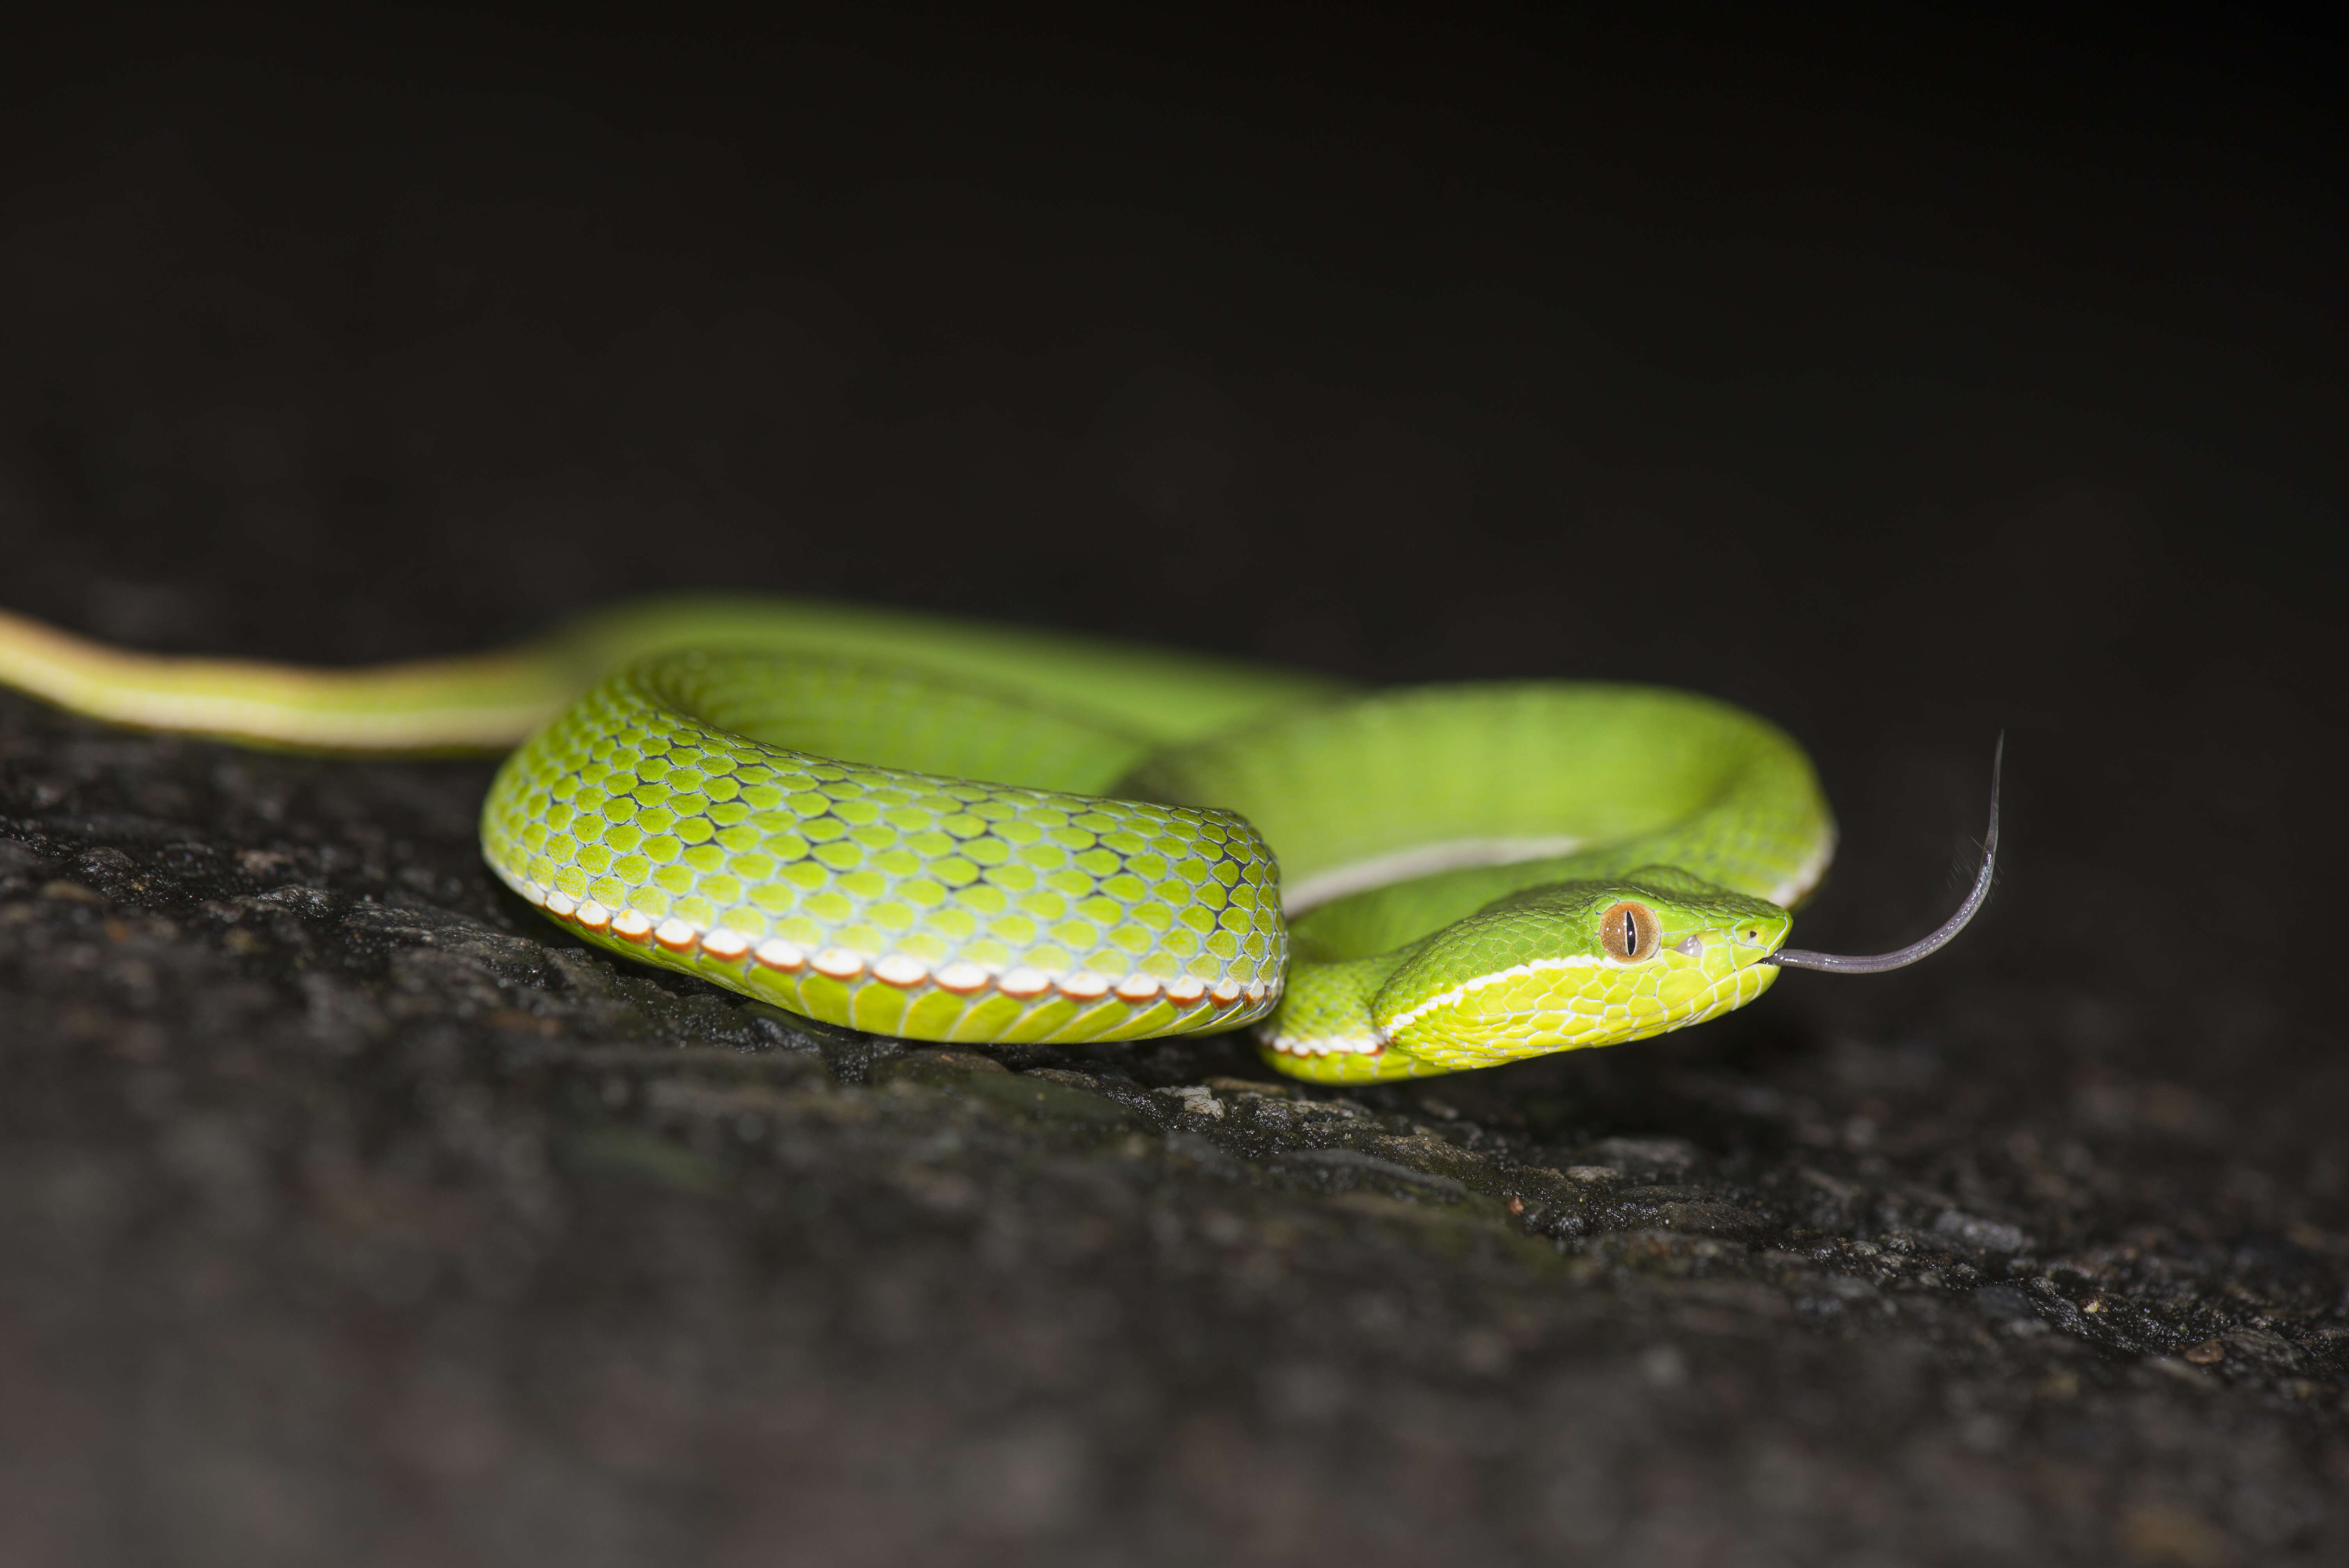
(352, 1213)
(355, 1214)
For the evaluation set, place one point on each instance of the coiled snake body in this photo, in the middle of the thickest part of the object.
(953, 831)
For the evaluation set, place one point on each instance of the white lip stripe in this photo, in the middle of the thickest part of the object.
(1446, 999)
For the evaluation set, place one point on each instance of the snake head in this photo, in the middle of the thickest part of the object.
(1578, 964)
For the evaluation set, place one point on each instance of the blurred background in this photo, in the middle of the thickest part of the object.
(1904, 372)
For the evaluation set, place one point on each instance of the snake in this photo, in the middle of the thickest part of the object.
(951, 830)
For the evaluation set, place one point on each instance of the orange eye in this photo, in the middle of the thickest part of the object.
(1628, 932)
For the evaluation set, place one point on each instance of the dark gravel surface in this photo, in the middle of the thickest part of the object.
(350, 1214)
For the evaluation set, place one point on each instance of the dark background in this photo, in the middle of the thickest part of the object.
(1903, 374)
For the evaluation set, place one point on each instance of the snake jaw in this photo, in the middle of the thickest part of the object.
(1604, 963)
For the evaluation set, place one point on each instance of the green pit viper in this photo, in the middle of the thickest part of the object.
(953, 831)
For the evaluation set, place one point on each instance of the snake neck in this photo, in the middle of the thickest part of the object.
(1499, 822)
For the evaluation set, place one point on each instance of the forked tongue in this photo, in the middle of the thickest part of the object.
(1875, 963)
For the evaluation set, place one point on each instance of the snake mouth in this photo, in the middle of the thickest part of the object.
(1750, 945)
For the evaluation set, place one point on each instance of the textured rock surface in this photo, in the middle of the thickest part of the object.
(350, 1213)
(349, 1202)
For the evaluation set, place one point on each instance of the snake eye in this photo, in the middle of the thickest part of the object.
(1628, 932)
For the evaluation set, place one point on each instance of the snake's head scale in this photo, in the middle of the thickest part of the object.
(1663, 913)
(1582, 964)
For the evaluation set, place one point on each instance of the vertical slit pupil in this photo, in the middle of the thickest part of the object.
(1631, 934)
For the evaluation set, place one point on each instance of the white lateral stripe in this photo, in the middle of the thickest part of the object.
(1517, 971)
(1343, 1045)
(962, 977)
(1023, 983)
(898, 969)
(1806, 875)
(1419, 861)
